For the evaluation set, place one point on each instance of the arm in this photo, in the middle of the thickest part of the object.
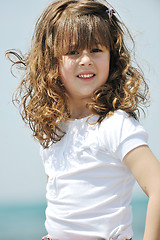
(146, 169)
(47, 182)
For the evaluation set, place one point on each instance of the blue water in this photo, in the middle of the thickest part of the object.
(26, 222)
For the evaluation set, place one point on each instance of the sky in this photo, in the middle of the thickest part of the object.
(22, 177)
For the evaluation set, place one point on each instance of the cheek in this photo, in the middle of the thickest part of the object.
(65, 76)
(63, 72)
(66, 69)
(105, 66)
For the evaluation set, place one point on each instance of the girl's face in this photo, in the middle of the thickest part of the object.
(84, 71)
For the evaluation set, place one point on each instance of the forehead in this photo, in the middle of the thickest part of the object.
(77, 42)
(81, 32)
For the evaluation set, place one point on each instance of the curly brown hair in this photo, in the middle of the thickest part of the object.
(41, 96)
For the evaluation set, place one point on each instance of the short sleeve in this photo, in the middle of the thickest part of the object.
(41, 153)
(45, 159)
(120, 133)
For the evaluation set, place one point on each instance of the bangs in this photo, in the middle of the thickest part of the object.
(80, 32)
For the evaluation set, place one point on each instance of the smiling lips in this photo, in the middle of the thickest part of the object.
(86, 76)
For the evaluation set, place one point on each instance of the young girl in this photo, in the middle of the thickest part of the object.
(82, 97)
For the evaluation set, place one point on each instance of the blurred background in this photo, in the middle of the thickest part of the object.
(22, 178)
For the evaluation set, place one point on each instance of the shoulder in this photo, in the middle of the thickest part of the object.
(120, 130)
(117, 121)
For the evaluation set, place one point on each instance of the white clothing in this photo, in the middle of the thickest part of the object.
(89, 188)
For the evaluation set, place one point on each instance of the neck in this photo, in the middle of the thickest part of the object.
(79, 109)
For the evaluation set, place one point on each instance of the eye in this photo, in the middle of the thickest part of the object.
(73, 53)
(96, 50)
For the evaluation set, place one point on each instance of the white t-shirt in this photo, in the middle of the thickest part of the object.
(89, 188)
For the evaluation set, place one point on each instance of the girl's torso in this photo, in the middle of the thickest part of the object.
(89, 187)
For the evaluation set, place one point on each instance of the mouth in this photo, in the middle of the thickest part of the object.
(86, 76)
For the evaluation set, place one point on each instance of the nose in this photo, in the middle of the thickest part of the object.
(85, 59)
